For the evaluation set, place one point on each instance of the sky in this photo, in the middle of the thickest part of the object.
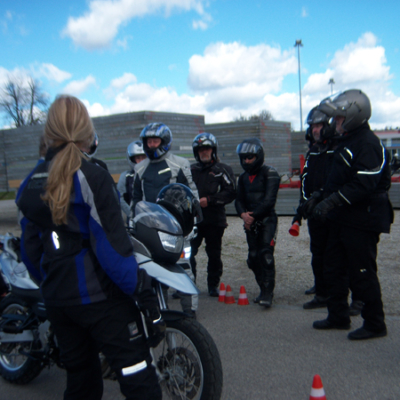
(218, 58)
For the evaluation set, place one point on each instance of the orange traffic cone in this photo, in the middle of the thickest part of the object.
(317, 390)
(295, 229)
(229, 299)
(222, 292)
(243, 300)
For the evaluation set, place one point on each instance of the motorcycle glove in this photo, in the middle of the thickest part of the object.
(322, 209)
(147, 302)
(310, 204)
(298, 216)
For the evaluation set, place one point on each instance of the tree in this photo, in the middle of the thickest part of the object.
(263, 115)
(24, 103)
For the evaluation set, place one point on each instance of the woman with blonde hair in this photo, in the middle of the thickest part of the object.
(74, 241)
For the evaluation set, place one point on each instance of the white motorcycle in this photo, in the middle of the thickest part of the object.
(187, 360)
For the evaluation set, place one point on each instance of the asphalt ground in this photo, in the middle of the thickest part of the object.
(274, 354)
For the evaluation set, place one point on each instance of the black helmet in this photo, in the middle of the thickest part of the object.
(134, 149)
(352, 104)
(251, 147)
(93, 147)
(205, 140)
(180, 201)
(156, 130)
(316, 116)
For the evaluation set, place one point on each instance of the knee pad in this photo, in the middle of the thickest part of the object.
(267, 259)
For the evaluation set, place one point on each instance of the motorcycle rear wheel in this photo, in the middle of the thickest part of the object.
(189, 362)
(14, 366)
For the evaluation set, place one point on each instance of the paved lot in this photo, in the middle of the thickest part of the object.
(274, 354)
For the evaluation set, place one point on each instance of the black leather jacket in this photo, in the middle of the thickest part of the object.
(215, 181)
(258, 193)
(316, 170)
(360, 173)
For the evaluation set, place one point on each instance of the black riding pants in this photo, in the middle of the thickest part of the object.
(110, 327)
(261, 245)
(351, 255)
(213, 239)
(318, 241)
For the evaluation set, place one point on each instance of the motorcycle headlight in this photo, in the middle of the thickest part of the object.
(171, 243)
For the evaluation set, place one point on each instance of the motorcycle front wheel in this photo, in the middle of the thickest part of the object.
(189, 362)
(15, 367)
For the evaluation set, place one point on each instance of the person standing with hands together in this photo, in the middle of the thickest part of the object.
(257, 191)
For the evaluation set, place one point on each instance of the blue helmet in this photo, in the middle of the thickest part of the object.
(205, 140)
(156, 130)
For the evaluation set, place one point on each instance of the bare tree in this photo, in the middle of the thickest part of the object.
(24, 103)
(263, 115)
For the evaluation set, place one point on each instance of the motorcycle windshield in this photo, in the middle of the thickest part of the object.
(156, 217)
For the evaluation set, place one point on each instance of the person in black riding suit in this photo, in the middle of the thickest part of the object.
(357, 209)
(216, 184)
(313, 178)
(74, 241)
(257, 191)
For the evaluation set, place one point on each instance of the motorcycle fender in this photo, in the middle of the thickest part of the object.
(174, 277)
(25, 336)
(172, 315)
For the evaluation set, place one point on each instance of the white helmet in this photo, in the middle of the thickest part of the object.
(134, 149)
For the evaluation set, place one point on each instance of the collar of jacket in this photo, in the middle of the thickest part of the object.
(157, 160)
(206, 165)
(359, 129)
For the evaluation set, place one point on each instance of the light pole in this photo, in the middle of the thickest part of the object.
(298, 44)
(331, 82)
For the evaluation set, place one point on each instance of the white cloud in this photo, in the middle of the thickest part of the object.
(360, 65)
(235, 65)
(231, 79)
(124, 42)
(124, 80)
(99, 26)
(304, 12)
(8, 17)
(77, 87)
(52, 73)
(22, 75)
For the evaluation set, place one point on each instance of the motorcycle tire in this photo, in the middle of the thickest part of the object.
(15, 367)
(189, 362)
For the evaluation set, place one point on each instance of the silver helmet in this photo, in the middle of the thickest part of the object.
(134, 149)
(353, 105)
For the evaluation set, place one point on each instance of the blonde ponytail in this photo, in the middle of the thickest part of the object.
(68, 124)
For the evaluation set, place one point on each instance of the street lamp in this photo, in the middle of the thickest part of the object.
(298, 44)
(331, 82)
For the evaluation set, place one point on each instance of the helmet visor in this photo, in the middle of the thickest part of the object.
(247, 148)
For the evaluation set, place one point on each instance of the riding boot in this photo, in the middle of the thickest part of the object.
(267, 286)
(266, 295)
(259, 283)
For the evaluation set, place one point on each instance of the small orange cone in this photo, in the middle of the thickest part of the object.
(295, 229)
(317, 390)
(222, 292)
(243, 300)
(229, 299)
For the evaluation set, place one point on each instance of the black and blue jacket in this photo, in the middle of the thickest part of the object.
(90, 258)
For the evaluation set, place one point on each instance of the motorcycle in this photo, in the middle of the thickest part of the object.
(187, 360)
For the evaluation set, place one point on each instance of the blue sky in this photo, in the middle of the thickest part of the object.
(219, 58)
